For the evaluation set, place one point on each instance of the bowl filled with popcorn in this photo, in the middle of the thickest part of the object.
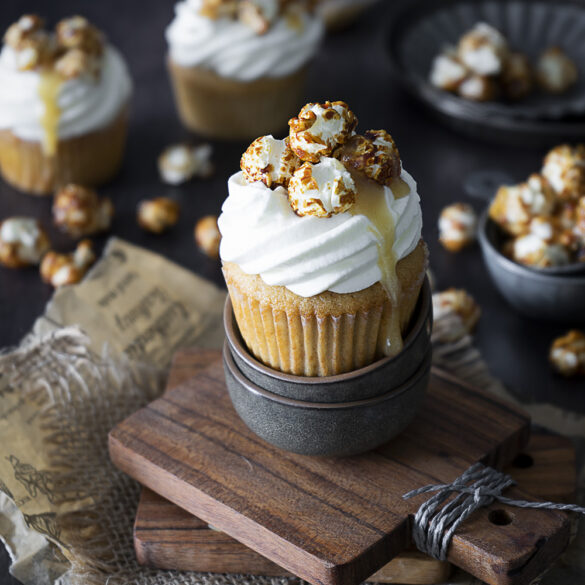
(533, 238)
(329, 313)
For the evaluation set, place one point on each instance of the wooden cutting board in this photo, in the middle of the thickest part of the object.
(168, 537)
(336, 521)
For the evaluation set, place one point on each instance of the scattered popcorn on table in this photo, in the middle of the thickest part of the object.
(555, 71)
(483, 49)
(458, 312)
(23, 242)
(567, 354)
(517, 79)
(269, 160)
(61, 269)
(79, 211)
(457, 226)
(564, 167)
(157, 215)
(320, 128)
(207, 236)
(321, 189)
(179, 163)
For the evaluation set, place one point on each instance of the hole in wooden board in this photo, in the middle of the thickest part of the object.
(500, 517)
(523, 461)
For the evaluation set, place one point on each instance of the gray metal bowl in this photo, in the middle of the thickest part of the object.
(366, 382)
(537, 293)
(325, 428)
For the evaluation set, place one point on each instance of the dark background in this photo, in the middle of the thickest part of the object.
(352, 66)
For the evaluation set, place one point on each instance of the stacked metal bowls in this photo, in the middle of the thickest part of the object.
(335, 415)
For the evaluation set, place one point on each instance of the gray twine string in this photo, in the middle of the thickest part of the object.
(435, 524)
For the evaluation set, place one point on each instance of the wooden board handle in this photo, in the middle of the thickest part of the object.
(505, 545)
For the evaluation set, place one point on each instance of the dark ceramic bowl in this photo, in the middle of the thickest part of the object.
(540, 294)
(367, 382)
(325, 428)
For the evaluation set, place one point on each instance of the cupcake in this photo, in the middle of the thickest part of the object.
(238, 66)
(321, 245)
(63, 105)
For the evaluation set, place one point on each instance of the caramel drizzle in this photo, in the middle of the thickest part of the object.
(49, 87)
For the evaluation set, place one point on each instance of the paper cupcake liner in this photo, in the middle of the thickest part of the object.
(225, 108)
(90, 159)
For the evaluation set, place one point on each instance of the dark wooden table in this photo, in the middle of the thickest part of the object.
(352, 66)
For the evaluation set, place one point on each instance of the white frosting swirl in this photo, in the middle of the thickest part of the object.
(85, 104)
(309, 255)
(232, 49)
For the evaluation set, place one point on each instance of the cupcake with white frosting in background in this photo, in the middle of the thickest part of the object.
(238, 66)
(321, 245)
(64, 97)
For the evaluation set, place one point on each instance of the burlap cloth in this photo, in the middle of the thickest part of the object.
(101, 351)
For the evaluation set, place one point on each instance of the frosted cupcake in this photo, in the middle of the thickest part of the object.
(238, 66)
(63, 105)
(321, 245)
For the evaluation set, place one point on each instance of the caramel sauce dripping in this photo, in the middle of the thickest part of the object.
(294, 20)
(371, 202)
(399, 187)
(49, 87)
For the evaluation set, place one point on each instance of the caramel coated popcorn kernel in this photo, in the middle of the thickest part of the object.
(564, 167)
(270, 161)
(79, 211)
(23, 242)
(479, 88)
(517, 79)
(483, 49)
(447, 71)
(555, 71)
(319, 128)
(567, 354)
(258, 14)
(179, 163)
(158, 215)
(457, 226)
(375, 154)
(31, 44)
(207, 236)
(458, 312)
(62, 269)
(76, 32)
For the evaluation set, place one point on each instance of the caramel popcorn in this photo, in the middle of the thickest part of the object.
(321, 189)
(79, 211)
(567, 354)
(375, 154)
(258, 14)
(457, 226)
(31, 44)
(459, 311)
(564, 167)
(517, 79)
(207, 236)
(447, 71)
(76, 32)
(515, 205)
(270, 161)
(179, 163)
(23, 242)
(319, 128)
(579, 225)
(555, 71)
(24, 28)
(158, 215)
(215, 9)
(61, 269)
(539, 250)
(483, 50)
(74, 63)
(479, 88)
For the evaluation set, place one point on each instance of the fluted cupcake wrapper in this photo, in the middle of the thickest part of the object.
(226, 108)
(90, 159)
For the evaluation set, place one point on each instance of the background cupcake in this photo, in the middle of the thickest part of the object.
(238, 67)
(63, 105)
(321, 245)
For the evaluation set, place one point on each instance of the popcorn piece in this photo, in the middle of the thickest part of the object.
(79, 211)
(479, 88)
(270, 161)
(517, 79)
(207, 236)
(457, 226)
(564, 167)
(158, 215)
(555, 71)
(76, 32)
(61, 269)
(25, 27)
(579, 225)
(483, 50)
(180, 162)
(31, 44)
(374, 153)
(515, 205)
(321, 189)
(319, 128)
(215, 9)
(23, 242)
(447, 72)
(567, 354)
(533, 250)
(258, 14)
(455, 313)
(75, 62)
